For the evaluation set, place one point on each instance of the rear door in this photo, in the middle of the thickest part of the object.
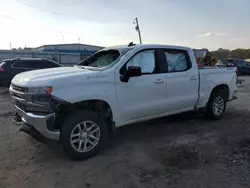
(182, 81)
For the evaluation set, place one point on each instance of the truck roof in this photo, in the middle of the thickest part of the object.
(143, 46)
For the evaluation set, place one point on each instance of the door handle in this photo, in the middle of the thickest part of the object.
(157, 81)
(193, 78)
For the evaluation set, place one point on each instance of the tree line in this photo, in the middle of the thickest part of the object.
(21, 49)
(219, 54)
(237, 53)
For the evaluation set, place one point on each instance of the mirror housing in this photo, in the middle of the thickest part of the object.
(133, 71)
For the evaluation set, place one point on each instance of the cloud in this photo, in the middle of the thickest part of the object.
(221, 34)
(211, 34)
(205, 35)
(240, 39)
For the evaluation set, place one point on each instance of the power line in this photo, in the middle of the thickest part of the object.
(48, 11)
(33, 6)
(40, 26)
(8, 17)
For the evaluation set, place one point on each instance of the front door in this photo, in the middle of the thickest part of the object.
(144, 96)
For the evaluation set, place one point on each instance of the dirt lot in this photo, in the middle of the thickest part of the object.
(180, 151)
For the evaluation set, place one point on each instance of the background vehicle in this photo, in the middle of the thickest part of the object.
(244, 68)
(11, 67)
(226, 63)
(242, 65)
(117, 86)
(234, 61)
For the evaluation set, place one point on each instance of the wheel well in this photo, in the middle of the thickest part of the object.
(102, 107)
(96, 105)
(223, 88)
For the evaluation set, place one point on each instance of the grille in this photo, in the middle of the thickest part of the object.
(20, 89)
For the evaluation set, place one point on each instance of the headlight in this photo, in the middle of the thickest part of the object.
(40, 90)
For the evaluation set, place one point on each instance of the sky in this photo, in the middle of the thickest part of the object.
(208, 24)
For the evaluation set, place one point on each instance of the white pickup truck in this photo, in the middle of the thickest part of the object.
(80, 106)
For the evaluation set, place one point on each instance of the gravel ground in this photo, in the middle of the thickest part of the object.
(179, 151)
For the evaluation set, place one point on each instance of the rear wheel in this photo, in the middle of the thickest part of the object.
(83, 134)
(216, 105)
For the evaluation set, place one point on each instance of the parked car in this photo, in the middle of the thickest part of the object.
(233, 61)
(244, 68)
(242, 65)
(80, 106)
(11, 67)
(220, 64)
(227, 63)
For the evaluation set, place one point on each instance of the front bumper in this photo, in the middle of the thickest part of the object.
(234, 96)
(39, 122)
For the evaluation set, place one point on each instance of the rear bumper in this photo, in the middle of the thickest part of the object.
(39, 123)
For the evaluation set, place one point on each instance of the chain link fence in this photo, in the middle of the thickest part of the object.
(65, 59)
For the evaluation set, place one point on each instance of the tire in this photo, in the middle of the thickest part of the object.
(72, 127)
(212, 112)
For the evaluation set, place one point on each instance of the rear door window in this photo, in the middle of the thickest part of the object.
(177, 60)
(48, 64)
(21, 64)
(27, 64)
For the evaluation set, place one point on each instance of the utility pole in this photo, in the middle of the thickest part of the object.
(78, 44)
(137, 28)
(10, 51)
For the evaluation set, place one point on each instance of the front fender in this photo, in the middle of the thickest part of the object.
(95, 91)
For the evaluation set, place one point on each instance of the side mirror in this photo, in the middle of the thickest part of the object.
(132, 71)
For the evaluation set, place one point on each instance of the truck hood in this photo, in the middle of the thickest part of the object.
(45, 77)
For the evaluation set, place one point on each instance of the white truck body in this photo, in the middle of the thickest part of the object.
(141, 98)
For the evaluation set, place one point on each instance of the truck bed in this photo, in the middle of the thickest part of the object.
(212, 76)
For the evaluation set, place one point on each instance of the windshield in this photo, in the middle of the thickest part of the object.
(105, 59)
(101, 59)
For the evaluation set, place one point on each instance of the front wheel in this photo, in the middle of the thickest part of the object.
(216, 105)
(83, 134)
